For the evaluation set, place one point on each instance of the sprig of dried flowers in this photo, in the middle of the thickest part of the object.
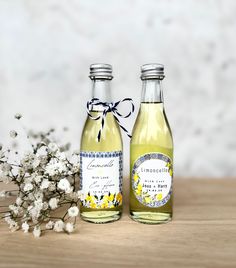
(46, 180)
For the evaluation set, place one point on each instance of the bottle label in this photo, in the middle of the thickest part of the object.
(101, 179)
(152, 177)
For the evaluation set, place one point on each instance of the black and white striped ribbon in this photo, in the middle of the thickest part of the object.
(108, 107)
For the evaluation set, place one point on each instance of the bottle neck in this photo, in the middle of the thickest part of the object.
(101, 89)
(152, 91)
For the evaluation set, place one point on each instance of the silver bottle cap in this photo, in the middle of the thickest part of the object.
(100, 71)
(152, 71)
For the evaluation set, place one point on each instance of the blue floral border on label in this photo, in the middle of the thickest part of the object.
(138, 162)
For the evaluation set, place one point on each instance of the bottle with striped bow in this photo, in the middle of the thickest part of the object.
(101, 153)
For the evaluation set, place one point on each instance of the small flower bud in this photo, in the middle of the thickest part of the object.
(13, 134)
(18, 116)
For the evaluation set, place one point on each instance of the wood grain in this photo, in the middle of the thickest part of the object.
(202, 234)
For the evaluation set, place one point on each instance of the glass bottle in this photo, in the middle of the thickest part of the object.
(101, 160)
(151, 153)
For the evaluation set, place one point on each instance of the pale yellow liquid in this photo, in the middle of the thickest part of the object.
(151, 133)
(110, 141)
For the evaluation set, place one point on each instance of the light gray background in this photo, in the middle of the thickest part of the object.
(46, 47)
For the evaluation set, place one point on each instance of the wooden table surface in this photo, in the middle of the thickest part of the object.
(202, 234)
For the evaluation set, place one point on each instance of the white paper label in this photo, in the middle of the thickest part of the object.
(152, 179)
(101, 179)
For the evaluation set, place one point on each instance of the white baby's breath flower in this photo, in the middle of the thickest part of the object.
(35, 210)
(28, 179)
(35, 162)
(69, 227)
(25, 227)
(38, 204)
(53, 202)
(30, 196)
(38, 195)
(53, 147)
(38, 178)
(74, 158)
(28, 187)
(13, 134)
(14, 209)
(13, 225)
(73, 211)
(45, 184)
(19, 201)
(37, 231)
(59, 226)
(34, 214)
(45, 206)
(55, 167)
(3, 193)
(64, 184)
(28, 160)
(61, 156)
(7, 217)
(52, 186)
(46, 178)
(49, 225)
(42, 152)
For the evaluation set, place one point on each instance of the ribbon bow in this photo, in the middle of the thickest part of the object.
(109, 107)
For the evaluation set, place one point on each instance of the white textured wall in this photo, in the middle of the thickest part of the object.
(46, 47)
